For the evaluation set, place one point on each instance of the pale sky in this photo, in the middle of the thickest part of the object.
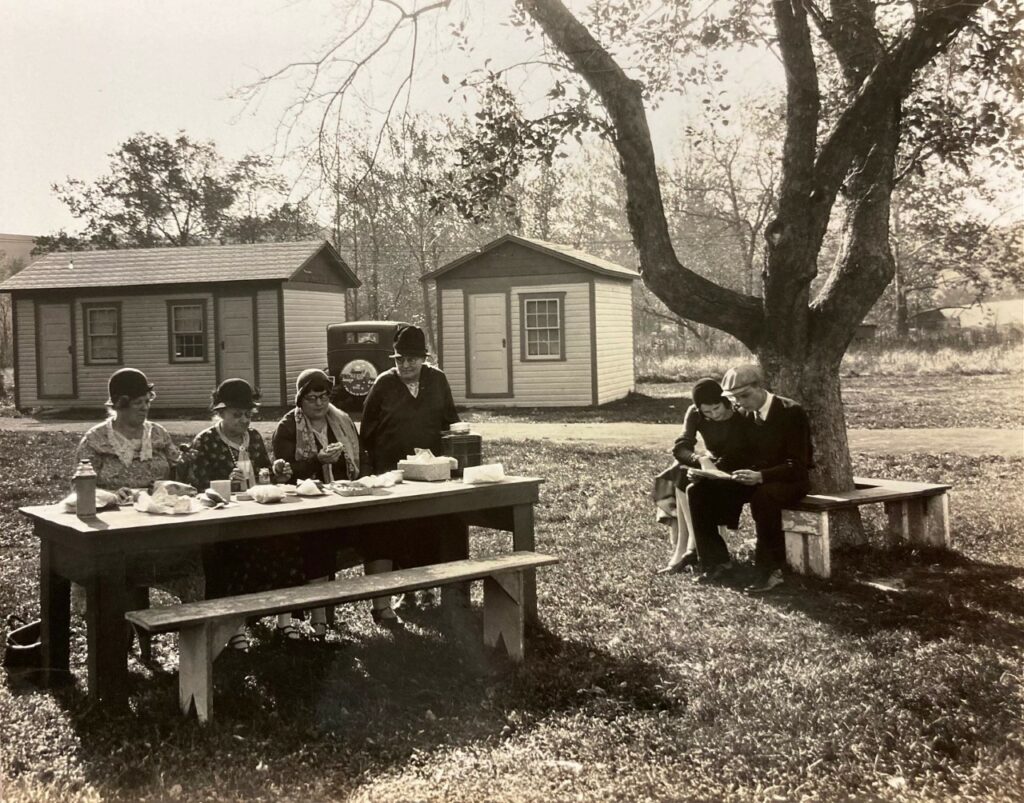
(79, 78)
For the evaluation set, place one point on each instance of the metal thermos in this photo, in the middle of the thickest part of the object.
(85, 490)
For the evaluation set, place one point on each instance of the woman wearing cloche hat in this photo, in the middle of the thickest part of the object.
(408, 408)
(233, 449)
(316, 440)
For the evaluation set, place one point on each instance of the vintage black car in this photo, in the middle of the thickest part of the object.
(356, 352)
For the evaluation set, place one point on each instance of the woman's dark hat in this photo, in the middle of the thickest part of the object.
(235, 393)
(707, 391)
(312, 379)
(130, 382)
(410, 342)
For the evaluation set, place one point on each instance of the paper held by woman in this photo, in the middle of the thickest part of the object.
(709, 471)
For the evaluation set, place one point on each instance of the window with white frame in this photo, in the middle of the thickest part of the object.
(187, 326)
(543, 327)
(102, 334)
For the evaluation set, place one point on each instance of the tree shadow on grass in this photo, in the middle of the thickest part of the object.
(370, 700)
(934, 593)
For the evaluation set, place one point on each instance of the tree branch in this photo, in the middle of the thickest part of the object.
(679, 288)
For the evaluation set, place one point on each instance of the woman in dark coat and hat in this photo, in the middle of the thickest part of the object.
(711, 417)
(408, 408)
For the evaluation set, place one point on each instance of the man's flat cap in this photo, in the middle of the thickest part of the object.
(740, 377)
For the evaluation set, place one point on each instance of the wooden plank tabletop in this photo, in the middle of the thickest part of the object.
(125, 519)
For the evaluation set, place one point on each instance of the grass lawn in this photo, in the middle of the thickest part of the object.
(637, 687)
(872, 402)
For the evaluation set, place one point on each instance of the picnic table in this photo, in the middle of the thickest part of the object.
(94, 552)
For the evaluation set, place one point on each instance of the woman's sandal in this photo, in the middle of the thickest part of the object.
(239, 642)
(289, 632)
(688, 559)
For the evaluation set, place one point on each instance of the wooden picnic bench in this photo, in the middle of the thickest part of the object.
(918, 513)
(204, 627)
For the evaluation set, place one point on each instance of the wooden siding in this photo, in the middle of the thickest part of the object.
(306, 316)
(534, 384)
(613, 310)
(511, 259)
(144, 346)
(269, 355)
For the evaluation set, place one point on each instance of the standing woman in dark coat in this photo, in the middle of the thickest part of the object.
(711, 416)
(407, 408)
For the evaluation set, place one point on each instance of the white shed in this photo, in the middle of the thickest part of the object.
(188, 317)
(524, 322)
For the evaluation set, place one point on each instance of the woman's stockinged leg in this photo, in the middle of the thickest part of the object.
(685, 552)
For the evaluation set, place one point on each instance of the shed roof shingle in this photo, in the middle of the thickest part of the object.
(568, 253)
(150, 266)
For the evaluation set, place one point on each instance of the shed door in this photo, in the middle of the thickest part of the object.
(488, 345)
(56, 355)
(237, 342)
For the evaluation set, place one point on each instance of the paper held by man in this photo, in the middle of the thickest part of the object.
(708, 470)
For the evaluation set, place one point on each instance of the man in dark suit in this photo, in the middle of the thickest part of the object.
(781, 456)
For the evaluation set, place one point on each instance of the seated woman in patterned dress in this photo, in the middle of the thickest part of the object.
(232, 449)
(130, 451)
(319, 441)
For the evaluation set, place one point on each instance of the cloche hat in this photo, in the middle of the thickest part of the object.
(130, 382)
(410, 342)
(235, 393)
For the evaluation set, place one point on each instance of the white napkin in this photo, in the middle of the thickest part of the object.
(164, 503)
(489, 472)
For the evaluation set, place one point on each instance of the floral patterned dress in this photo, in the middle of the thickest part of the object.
(242, 567)
(122, 462)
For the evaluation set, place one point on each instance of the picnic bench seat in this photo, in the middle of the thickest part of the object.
(205, 627)
(918, 513)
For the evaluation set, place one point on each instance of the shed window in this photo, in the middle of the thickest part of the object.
(543, 327)
(102, 334)
(188, 332)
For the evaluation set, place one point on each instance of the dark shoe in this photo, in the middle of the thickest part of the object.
(766, 582)
(716, 574)
(288, 632)
(385, 617)
(688, 559)
(239, 642)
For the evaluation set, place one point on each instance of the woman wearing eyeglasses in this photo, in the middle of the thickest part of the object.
(316, 440)
(233, 449)
(408, 408)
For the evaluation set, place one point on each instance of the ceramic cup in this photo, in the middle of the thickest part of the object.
(223, 487)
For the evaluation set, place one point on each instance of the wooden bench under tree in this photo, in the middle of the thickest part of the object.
(204, 627)
(918, 513)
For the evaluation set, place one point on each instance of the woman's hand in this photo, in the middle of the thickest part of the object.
(236, 474)
(330, 453)
(281, 469)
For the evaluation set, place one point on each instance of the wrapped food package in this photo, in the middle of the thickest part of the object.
(424, 466)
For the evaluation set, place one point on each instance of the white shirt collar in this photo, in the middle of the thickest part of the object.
(762, 413)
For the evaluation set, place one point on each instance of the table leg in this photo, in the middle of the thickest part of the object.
(107, 596)
(55, 613)
(523, 539)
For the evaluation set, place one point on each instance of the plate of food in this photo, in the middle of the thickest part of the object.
(349, 488)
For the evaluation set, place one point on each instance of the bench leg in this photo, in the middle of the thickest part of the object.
(504, 614)
(936, 518)
(198, 647)
(808, 545)
(139, 602)
(906, 521)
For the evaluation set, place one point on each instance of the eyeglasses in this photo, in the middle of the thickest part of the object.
(142, 402)
(317, 398)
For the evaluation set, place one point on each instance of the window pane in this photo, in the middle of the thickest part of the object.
(186, 346)
(188, 319)
(103, 321)
(542, 320)
(103, 348)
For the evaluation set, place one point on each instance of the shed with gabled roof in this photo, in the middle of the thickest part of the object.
(188, 317)
(525, 322)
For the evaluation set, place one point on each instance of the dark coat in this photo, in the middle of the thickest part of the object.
(780, 447)
(726, 440)
(395, 422)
